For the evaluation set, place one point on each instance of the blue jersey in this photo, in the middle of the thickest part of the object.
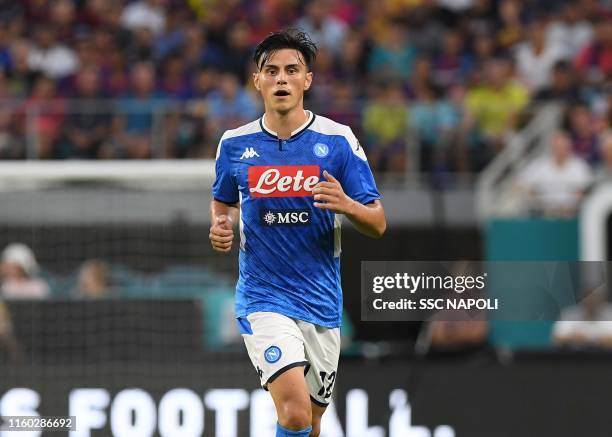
(290, 249)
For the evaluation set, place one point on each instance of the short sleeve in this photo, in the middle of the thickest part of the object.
(356, 177)
(224, 188)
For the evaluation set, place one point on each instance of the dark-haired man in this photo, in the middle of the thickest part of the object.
(288, 177)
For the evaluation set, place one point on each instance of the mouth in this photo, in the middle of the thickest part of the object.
(282, 93)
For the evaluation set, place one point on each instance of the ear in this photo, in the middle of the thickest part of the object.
(308, 81)
(256, 81)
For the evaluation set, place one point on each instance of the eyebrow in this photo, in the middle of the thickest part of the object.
(276, 66)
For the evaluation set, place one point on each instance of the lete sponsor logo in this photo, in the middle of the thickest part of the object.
(283, 180)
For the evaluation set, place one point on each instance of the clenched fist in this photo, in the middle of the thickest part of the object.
(222, 233)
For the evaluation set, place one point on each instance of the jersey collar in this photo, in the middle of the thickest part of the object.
(296, 132)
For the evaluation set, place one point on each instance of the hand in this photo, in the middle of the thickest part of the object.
(333, 196)
(222, 234)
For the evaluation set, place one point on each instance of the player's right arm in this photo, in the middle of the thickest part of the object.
(224, 207)
(222, 219)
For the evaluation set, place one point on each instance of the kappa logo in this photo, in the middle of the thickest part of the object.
(272, 354)
(249, 152)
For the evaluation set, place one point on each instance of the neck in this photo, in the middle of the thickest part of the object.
(285, 123)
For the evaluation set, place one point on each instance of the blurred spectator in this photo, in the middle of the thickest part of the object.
(230, 105)
(88, 122)
(556, 182)
(600, 102)
(147, 14)
(9, 347)
(510, 30)
(433, 121)
(115, 80)
(18, 270)
(587, 324)
(324, 29)
(352, 62)
(421, 76)
(484, 48)
(5, 50)
(324, 67)
(238, 56)
(93, 281)
(493, 106)
(43, 113)
(175, 80)
(385, 123)
(582, 132)
(563, 87)
(342, 108)
(11, 143)
(141, 47)
(536, 57)
(50, 56)
(62, 14)
(205, 81)
(603, 172)
(92, 12)
(572, 30)
(20, 77)
(136, 110)
(394, 56)
(189, 134)
(452, 63)
(172, 39)
(595, 60)
(89, 55)
(198, 51)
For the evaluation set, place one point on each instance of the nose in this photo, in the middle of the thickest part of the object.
(281, 78)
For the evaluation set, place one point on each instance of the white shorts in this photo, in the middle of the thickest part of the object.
(277, 343)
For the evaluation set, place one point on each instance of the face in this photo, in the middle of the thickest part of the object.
(560, 147)
(10, 270)
(282, 80)
(143, 79)
(88, 82)
(496, 72)
(606, 150)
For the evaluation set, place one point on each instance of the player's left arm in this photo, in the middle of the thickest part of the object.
(368, 219)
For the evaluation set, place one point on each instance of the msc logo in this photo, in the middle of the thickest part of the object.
(285, 217)
(249, 152)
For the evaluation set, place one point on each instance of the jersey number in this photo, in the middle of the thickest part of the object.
(326, 391)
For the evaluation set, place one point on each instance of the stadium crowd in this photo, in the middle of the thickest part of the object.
(433, 85)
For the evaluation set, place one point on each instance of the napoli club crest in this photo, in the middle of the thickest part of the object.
(272, 354)
(320, 150)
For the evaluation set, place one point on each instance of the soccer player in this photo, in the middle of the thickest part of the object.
(287, 178)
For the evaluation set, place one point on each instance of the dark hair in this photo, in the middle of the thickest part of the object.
(286, 39)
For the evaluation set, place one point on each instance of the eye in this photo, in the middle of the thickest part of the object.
(292, 70)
